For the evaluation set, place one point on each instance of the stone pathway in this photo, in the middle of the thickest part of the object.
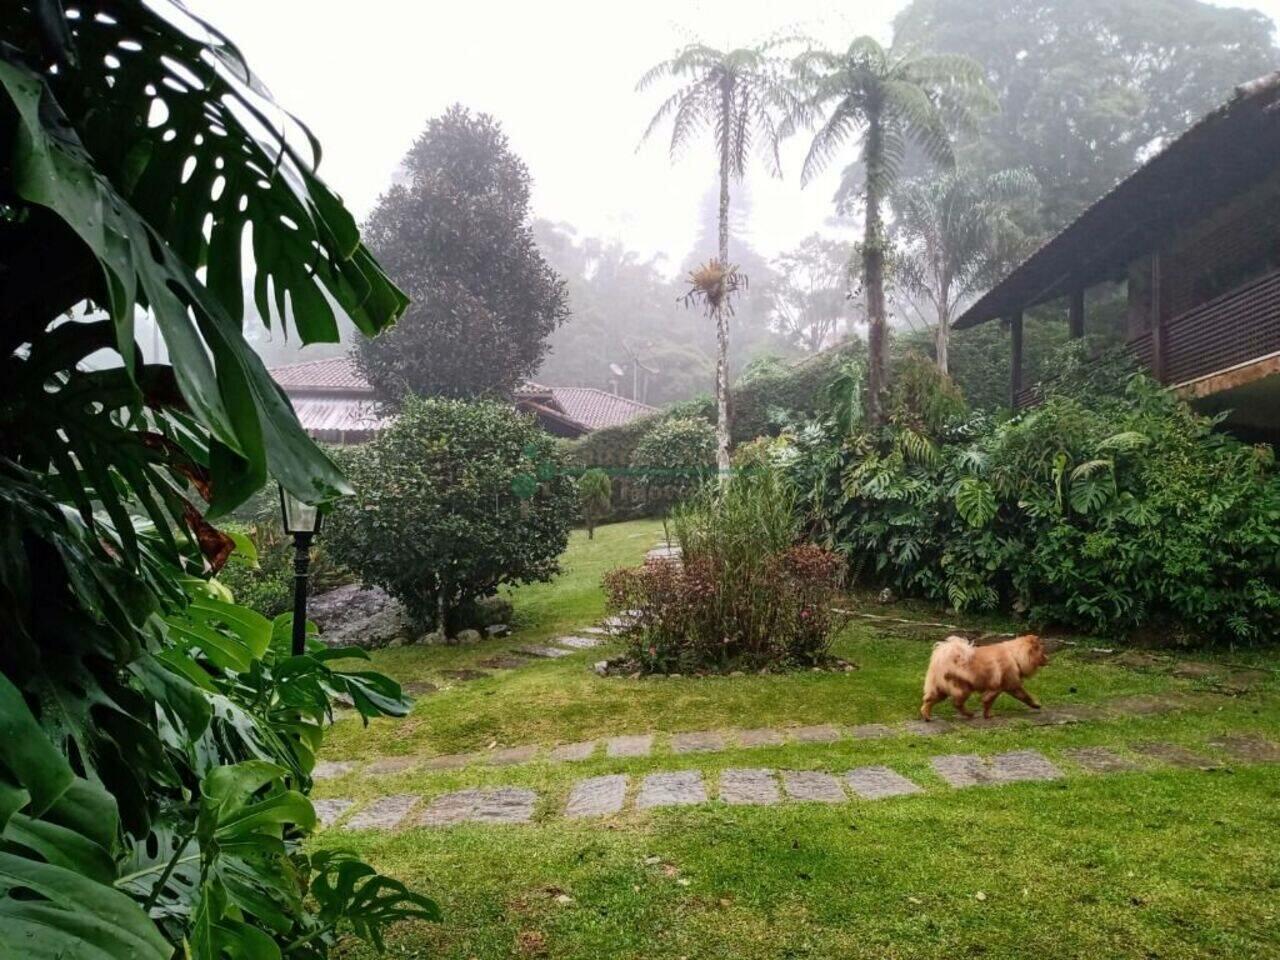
(604, 796)
(706, 741)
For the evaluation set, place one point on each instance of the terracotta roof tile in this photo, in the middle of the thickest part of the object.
(594, 408)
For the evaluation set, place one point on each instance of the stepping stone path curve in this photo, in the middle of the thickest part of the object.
(602, 796)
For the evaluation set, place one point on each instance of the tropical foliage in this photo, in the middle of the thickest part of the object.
(456, 235)
(1112, 506)
(158, 739)
(453, 500)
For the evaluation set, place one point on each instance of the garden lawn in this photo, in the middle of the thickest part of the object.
(1159, 862)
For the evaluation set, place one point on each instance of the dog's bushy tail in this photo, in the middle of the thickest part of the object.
(949, 662)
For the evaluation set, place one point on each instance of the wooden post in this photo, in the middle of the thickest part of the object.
(1159, 347)
(1076, 315)
(1015, 358)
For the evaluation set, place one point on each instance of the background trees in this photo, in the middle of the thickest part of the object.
(456, 237)
(743, 96)
(1088, 89)
(811, 295)
(885, 99)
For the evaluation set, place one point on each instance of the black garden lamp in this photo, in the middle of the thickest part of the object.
(302, 522)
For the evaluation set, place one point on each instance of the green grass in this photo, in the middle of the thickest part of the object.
(1159, 863)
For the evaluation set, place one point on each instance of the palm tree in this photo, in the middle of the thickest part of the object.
(743, 96)
(960, 234)
(886, 100)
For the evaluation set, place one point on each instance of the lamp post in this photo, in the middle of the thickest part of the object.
(302, 522)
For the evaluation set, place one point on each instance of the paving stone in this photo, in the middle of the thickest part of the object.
(749, 786)
(671, 789)
(1196, 670)
(385, 813)
(639, 745)
(1052, 716)
(871, 731)
(597, 796)
(509, 755)
(573, 751)
(824, 733)
(962, 769)
(503, 805)
(1099, 760)
(926, 729)
(594, 631)
(332, 769)
(875, 783)
(418, 688)
(450, 761)
(813, 786)
(1247, 748)
(329, 811)
(392, 765)
(1023, 765)
(1243, 681)
(699, 741)
(1142, 705)
(614, 624)
(1175, 754)
(764, 737)
(579, 643)
(544, 653)
(464, 675)
(504, 661)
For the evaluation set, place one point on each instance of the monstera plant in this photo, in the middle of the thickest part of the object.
(155, 741)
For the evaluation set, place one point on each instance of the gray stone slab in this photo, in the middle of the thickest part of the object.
(594, 631)
(698, 741)
(579, 643)
(1023, 765)
(876, 783)
(614, 624)
(824, 733)
(1175, 754)
(1052, 716)
(329, 811)
(1247, 748)
(871, 731)
(963, 769)
(418, 688)
(544, 653)
(597, 796)
(679, 788)
(503, 805)
(509, 755)
(638, 745)
(921, 728)
(385, 813)
(332, 769)
(1143, 705)
(573, 751)
(763, 737)
(813, 786)
(451, 761)
(388, 765)
(749, 786)
(1099, 760)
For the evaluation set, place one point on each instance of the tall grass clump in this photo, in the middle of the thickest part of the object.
(745, 594)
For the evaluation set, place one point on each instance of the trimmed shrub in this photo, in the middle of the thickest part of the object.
(452, 501)
(595, 494)
(744, 595)
(673, 459)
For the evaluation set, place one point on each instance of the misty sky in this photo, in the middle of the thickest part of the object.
(559, 75)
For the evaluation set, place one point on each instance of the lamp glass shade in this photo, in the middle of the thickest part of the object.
(299, 517)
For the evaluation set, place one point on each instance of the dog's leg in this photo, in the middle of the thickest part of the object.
(926, 708)
(960, 699)
(988, 699)
(1026, 698)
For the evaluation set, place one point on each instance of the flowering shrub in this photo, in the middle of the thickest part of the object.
(745, 594)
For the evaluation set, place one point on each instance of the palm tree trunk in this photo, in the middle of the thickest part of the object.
(942, 338)
(873, 271)
(722, 311)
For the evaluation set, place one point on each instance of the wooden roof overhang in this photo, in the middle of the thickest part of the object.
(1226, 153)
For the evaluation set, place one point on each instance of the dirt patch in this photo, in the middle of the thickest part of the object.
(503, 662)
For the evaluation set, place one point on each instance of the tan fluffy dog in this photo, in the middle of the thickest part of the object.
(958, 669)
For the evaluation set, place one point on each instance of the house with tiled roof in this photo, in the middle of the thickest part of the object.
(335, 403)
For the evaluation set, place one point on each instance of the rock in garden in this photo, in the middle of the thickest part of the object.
(352, 615)
(468, 636)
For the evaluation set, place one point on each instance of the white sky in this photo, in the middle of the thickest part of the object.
(558, 74)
